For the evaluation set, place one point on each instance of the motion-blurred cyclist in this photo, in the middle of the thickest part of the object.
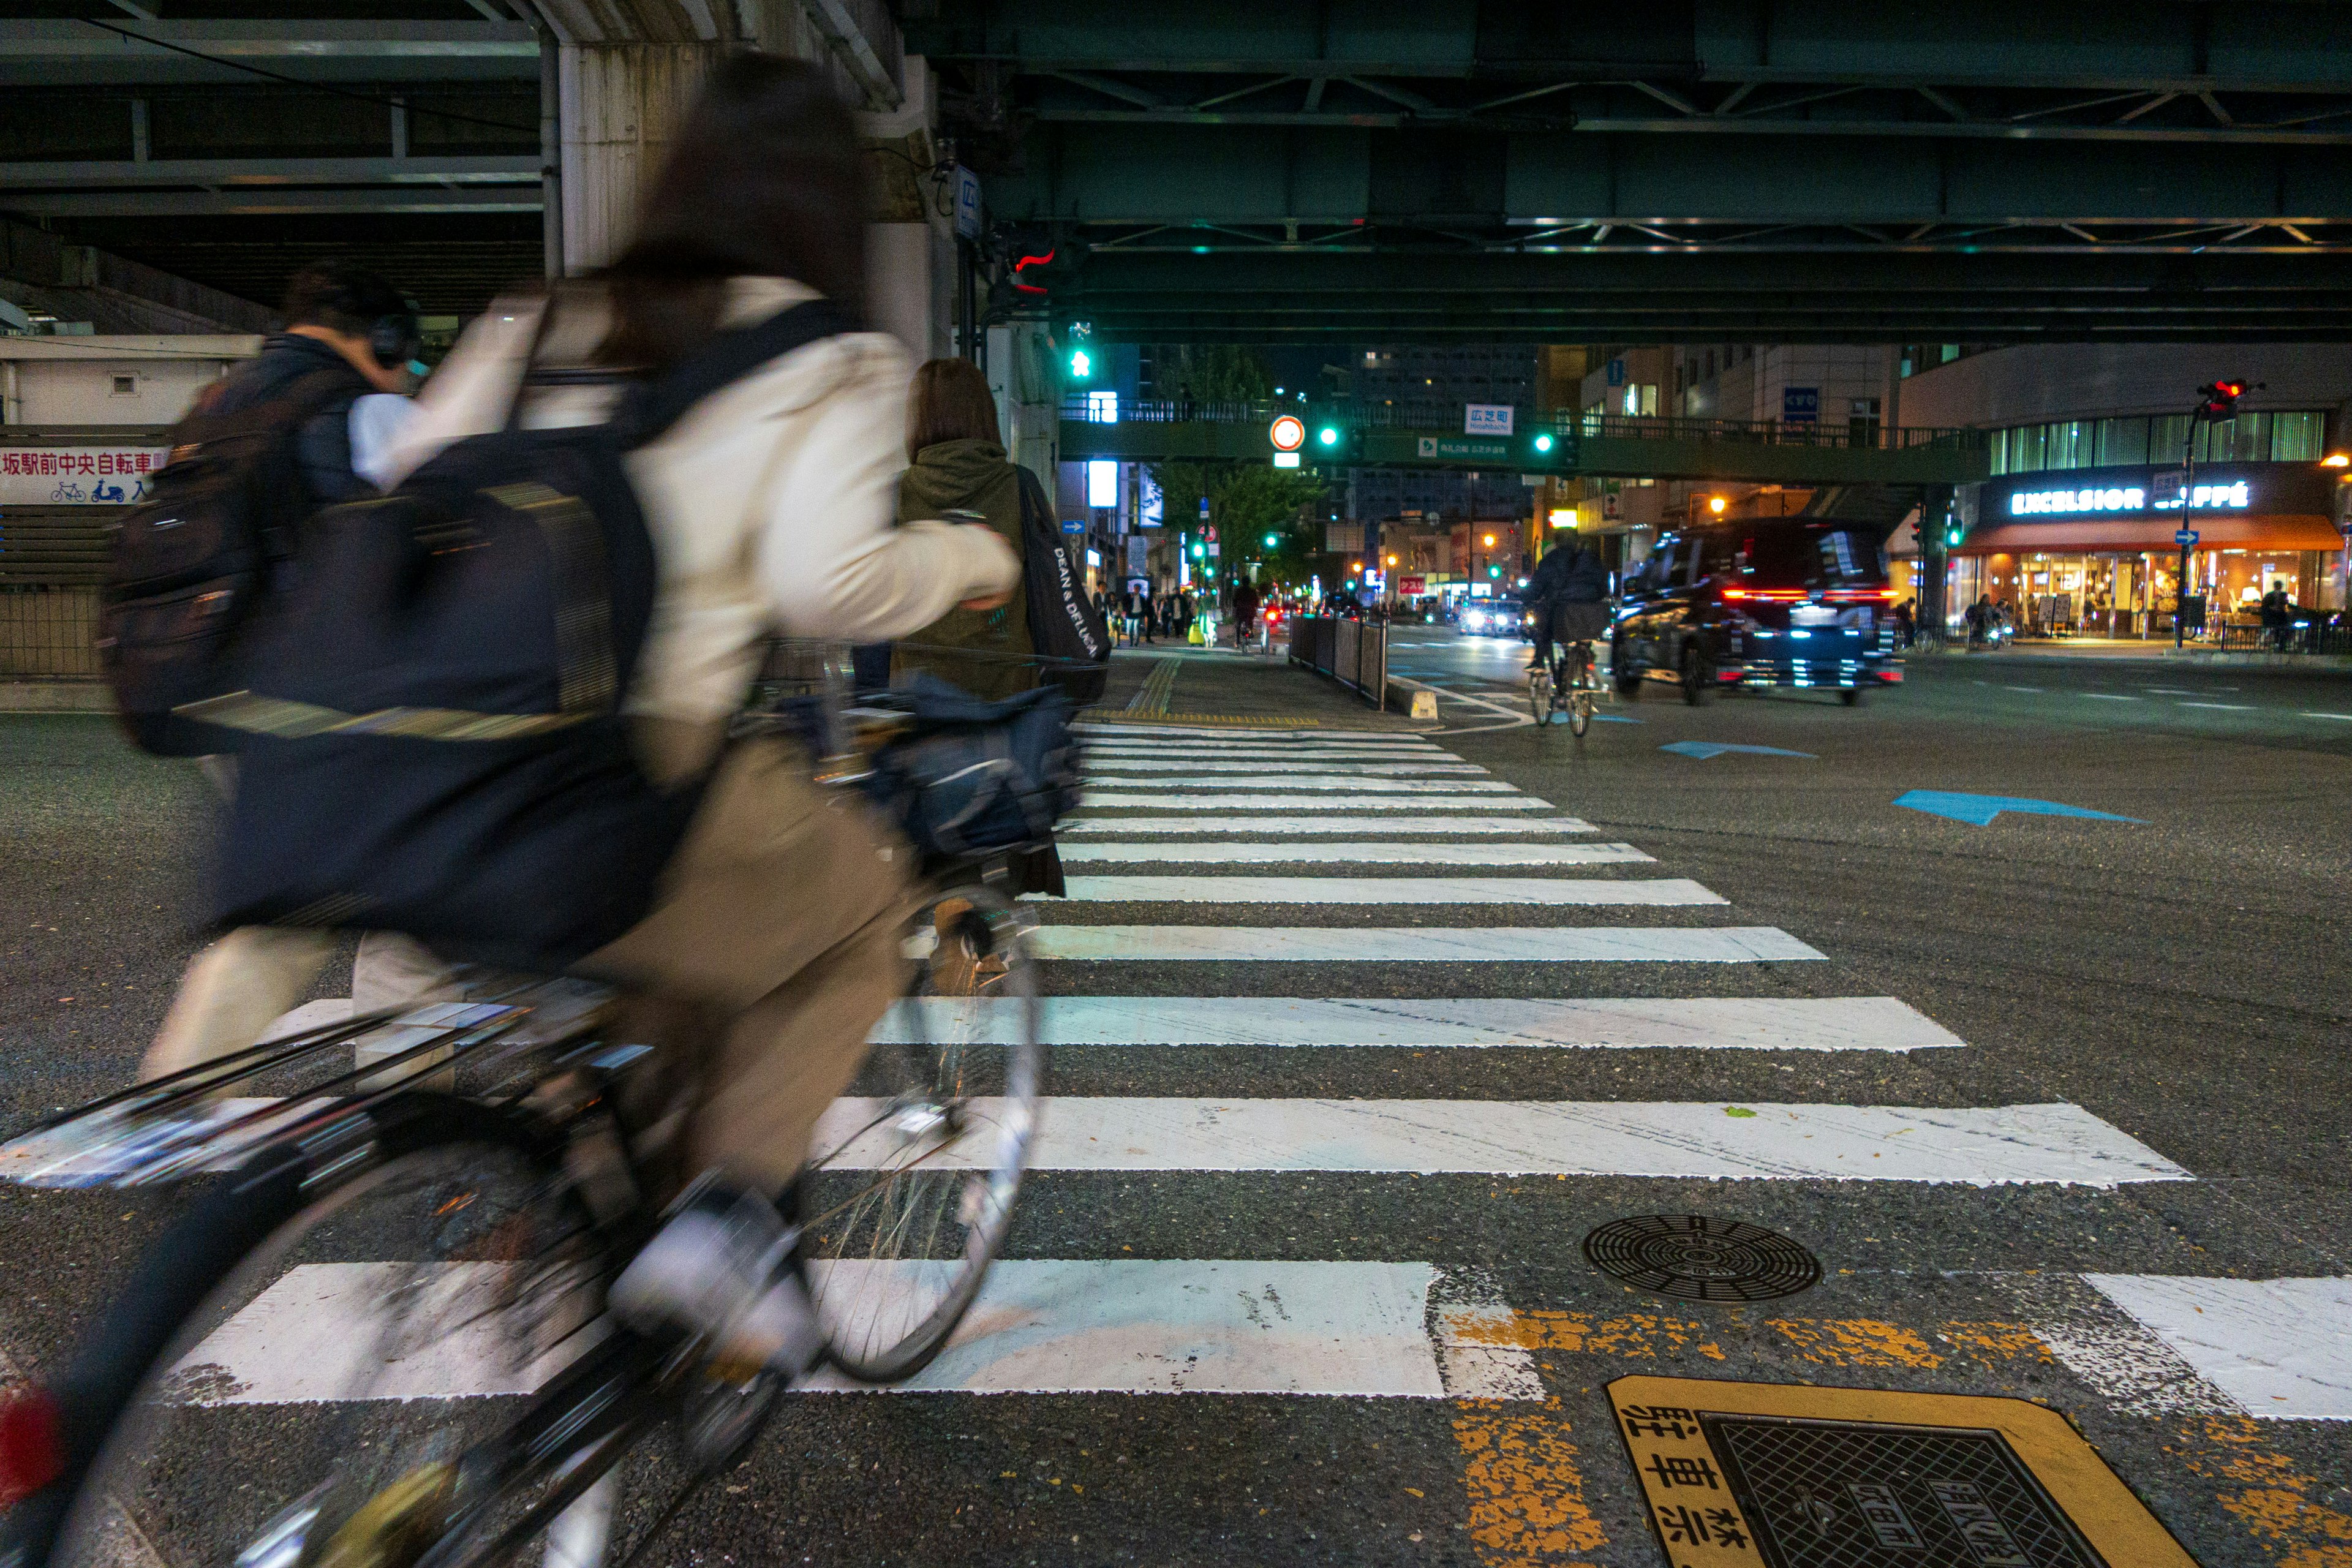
(1570, 596)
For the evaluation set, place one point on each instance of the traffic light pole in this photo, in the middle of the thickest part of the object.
(2180, 581)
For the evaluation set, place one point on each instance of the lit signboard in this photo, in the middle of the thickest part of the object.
(2091, 499)
(2216, 490)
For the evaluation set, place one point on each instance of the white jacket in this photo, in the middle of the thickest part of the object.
(770, 503)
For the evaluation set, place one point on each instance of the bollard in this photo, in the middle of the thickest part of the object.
(1424, 704)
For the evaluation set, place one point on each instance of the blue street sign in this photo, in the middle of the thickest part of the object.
(1069, 527)
(2184, 538)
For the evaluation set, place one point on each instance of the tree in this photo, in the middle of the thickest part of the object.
(1250, 500)
(1211, 373)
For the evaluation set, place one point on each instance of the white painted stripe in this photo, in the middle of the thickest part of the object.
(2133, 1370)
(1097, 797)
(322, 1332)
(1041, 1326)
(1634, 1023)
(1973, 1146)
(1347, 854)
(1324, 826)
(1309, 779)
(1137, 1325)
(1097, 764)
(1097, 746)
(2345, 717)
(1190, 733)
(2225, 706)
(1420, 944)
(1328, 890)
(2281, 1348)
(2107, 697)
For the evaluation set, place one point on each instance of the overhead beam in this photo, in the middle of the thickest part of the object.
(1090, 174)
(1708, 297)
(256, 201)
(51, 176)
(52, 53)
(2251, 46)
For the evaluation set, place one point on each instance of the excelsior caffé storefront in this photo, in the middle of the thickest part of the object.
(2092, 551)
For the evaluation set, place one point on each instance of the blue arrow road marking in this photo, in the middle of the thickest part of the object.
(1981, 809)
(1703, 750)
(1598, 719)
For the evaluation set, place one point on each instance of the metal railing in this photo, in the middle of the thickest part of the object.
(1352, 652)
(1867, 435)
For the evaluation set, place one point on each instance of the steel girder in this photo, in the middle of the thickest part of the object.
(1707, 296)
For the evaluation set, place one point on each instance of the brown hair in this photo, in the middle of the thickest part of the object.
(764, 179)
(949, 402)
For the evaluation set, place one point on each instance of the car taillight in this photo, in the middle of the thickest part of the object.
(1769, 596)
(31, 1445)
(1860, 596)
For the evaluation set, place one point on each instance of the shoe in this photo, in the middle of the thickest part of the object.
(721, 1268)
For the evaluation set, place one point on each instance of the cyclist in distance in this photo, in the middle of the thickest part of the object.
(1567, 593)
(771, 505)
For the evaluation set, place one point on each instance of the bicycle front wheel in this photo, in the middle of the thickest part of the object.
(911, 1184)
(292, 1376)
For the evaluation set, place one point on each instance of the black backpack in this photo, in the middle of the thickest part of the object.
(1064, 623)
(191, 563)
(431, 741)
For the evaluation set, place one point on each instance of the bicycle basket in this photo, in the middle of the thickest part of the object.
(962, 777)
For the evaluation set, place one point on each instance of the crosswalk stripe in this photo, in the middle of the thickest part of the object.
(1364, 1330)
(2280, 1348)
(1324, 826)
(1419, 944)
(1971, 1145)
(1308, 779)
(1702, 1023)
(1205, 802)
(1098, 764)
(1368, 854)
(1105, 749)
(1186, 732)
(1523, 891)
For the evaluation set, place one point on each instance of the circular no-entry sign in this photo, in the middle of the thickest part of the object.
(1287, 433)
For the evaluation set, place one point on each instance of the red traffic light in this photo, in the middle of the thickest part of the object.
(2219, 400)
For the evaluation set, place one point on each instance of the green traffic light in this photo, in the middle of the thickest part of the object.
(1273, 541)
(1493, 571)
(1543, 443)
(1328, 435)
(1081, 366)
(1199, 549)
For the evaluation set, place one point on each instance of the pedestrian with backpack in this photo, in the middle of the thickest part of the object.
(308, 423)
(651, 474)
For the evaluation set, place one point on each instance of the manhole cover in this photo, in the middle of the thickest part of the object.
(1702, 1259)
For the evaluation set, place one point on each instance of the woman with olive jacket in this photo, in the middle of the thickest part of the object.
(957, 470)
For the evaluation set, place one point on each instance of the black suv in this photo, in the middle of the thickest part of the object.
(1755, 602)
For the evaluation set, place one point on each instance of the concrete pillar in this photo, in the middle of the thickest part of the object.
(619, 102)
(910, 257)
(1024, 373)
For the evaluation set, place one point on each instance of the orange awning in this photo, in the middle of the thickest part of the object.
(2090, 535)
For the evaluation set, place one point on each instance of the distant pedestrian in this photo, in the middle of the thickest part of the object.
(1978, 617)
(1906, 624)
(1246, 603)
(2278, 616)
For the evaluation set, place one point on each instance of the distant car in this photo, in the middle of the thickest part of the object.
(1493, 619)
(1799, 602)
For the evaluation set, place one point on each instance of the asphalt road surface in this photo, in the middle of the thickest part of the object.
(1361, 1026)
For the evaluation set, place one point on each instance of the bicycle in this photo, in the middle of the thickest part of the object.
(452, 1211)
(1567, 682)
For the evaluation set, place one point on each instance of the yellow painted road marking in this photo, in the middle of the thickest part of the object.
(1637, 1336)
(1525, 1494)
(2275, 1502)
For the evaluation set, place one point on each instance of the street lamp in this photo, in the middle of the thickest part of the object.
(1715, 504)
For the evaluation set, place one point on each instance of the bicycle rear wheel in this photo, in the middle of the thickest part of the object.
(291, 1376)
(911, 1184)
(1540, 696)
(1579, 713)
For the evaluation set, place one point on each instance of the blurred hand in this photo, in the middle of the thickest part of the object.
(987, 602)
